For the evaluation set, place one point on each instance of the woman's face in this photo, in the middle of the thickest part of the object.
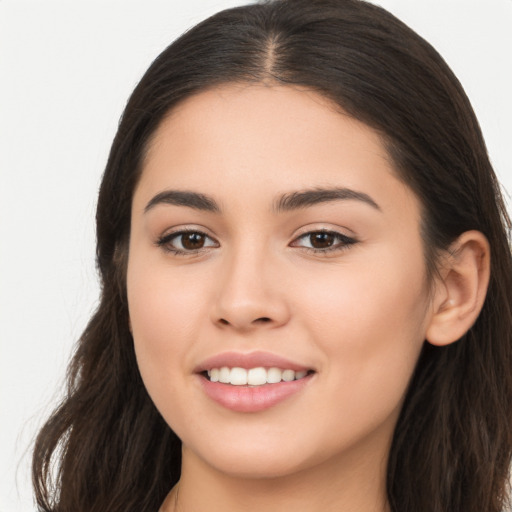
(270, 231)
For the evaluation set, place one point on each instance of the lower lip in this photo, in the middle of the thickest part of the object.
(252, 398)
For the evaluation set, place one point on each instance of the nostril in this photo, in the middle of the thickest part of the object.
(257, 321)
(262, 320)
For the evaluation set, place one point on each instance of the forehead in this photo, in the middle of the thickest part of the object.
(253, 113)
(265, 140)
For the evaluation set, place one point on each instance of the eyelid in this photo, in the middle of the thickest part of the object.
(344, 241)
(164, 241)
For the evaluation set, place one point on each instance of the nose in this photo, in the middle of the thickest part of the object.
(250, 294)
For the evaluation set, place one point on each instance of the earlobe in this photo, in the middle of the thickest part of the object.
(461, 289)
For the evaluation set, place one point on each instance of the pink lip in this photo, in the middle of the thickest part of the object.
(250, 398)
(249, 360)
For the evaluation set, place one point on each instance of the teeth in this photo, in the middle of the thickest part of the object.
(238, 377)
(224, 375)
(254, 376)
(274, 375)
(288, 375)
(257, 376)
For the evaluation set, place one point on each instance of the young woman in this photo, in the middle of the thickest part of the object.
(306, 282)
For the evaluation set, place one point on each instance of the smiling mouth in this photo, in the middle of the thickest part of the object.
(252, 377)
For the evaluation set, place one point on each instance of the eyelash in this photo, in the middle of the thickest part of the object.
(343, 242)
(165, 242)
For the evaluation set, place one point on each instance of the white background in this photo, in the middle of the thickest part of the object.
(66, 70)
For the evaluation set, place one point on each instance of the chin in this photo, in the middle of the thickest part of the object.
(259, 458)
(263, 467)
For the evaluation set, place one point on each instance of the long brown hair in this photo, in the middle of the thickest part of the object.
(106, 448)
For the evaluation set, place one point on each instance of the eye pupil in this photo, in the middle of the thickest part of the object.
(192, 241)
(321, 240)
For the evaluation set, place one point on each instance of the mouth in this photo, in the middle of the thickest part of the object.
(254, 377)
(253, 382)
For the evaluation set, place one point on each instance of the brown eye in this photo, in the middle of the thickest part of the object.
(192, 241)
(321, 240)
(186, 242)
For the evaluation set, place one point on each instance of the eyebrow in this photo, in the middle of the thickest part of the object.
(305, 198)
(287, 202)
(184, 198)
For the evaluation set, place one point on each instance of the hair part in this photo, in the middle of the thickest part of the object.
(453, 442)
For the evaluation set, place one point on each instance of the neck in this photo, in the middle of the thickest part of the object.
(353, 484)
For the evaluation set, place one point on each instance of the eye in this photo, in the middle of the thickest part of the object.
(323, 241)
(186, 242)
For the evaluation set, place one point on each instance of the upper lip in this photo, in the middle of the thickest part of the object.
(249, 360)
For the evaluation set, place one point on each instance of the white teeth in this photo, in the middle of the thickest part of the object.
(224, 374)
(274, 375)
(288, 375)
(254, 376)
(238, 376)
(257, 376)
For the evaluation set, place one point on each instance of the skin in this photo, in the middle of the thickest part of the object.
(357, 315)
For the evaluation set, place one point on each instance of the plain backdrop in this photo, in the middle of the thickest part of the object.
(66, 70)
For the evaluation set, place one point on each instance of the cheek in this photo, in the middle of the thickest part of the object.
(370, 324)
(381, 291)
(165, 308)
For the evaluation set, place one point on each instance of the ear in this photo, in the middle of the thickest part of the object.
(460, 290)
